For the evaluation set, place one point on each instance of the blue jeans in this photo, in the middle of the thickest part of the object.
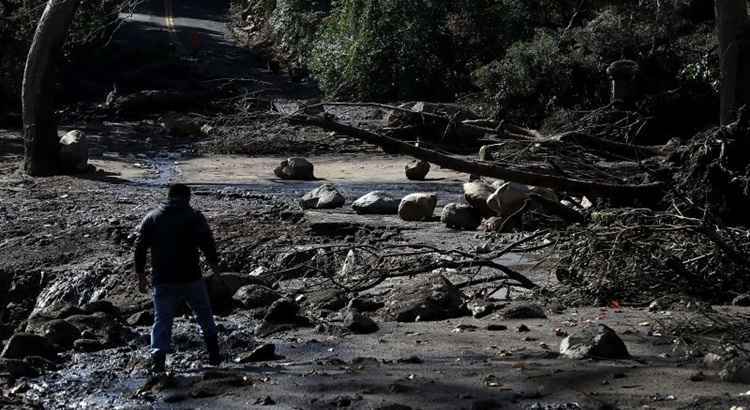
(168, 298)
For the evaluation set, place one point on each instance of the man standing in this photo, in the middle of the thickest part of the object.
(174, 232)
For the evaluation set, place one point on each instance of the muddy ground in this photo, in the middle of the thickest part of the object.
(67, 241)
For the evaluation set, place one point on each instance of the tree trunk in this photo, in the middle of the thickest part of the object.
(39, 125)
(731, 17)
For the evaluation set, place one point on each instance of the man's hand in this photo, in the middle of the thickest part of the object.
(142, 283)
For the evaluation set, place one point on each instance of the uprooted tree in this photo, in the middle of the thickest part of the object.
(39, 125)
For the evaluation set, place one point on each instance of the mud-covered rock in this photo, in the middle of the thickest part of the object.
(325, 196)
(22, 345)
(594, 341)
(417, 170)
(459, 216)
(142, 318)
(524, 311)
(255, 296)
(376, 203)
(417, 207)
(295, 169)
(359, 323)
(428, 298)
(61, 333)
(476, 194)
(74, 152)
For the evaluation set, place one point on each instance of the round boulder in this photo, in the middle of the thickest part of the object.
(376, 203)
(417, 170)
(325, 196)
(476, 194)
(417, 207)
(459, 216)
(595, 341)
(295, 168)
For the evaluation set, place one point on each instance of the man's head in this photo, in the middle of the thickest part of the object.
(179, 192)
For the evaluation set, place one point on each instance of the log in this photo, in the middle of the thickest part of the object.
(582, 187)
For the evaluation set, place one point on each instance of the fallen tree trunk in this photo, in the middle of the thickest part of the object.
(594, 189)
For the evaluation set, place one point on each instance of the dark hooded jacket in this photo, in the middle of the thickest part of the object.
(174, 232)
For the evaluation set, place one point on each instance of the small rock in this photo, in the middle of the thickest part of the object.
(697, 377)
(283, 310)
(359, 323)
(376, 203)
(265, 401)
(22, 345)
(103, 306)
(560, 332)
(742, 300)
(364, 304)
(295, 169)
(594, 341)
(417, 170)
(496, 328)
(524, 311)
(458, 216)
(417, 207)
(142, 318)
(411, 360)
(74, 152)
(523, 329)
(88, 345)
(713, 361)
(325, 196)
(480, 309)
(262, 353)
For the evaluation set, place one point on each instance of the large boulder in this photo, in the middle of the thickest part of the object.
(61, 333)
(295, 168)
(255, 296)
(594, 341)
(428, 298)
(417, 207)
(325, 196)
(417, 170)
(22, 345)
(42, 315)
(74, 152)
(476, 194)
(508, 198)
(377, 203)
(222, 287)
(459, 216)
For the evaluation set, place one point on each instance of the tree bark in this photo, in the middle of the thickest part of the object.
(731, 18)
(595, 189)
(39, 125)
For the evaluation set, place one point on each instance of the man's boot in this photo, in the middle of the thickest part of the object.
(158, 362)
(214, 356)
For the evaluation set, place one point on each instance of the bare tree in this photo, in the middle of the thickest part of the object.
(39, 124)
(734, 56)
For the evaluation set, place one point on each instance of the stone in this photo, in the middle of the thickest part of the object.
(88, 345)
(742, 300)
(524, 311)
(255, 296)
(596, 341)
(508, 198)
(74, 152)
(376, 203)
(142, 318)
(101, 326)
(476, 194)
(295, 169)
(42, 315)
(480, 309)
(359, 323)
(222, 287)
(417, 207)
(262, 353)
(325, 196)
(496, 327)
(22, 345)
(427, 298)
(736, 371)
(417, 170)
(459, 216)
(103, 306)
(283, 310)
(61, 333)
(364, 304)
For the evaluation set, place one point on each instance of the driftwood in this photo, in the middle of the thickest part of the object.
(648, 191)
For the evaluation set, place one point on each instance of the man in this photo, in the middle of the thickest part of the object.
(174, 232)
